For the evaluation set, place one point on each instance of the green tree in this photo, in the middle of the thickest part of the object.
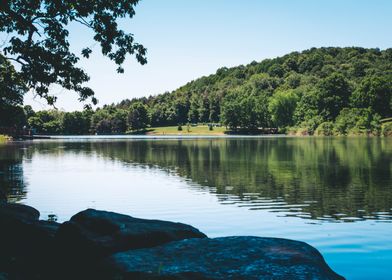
(138, 116)
(231, 111)
(12, 89)
(333, 95)
(119, 121)
(282, 106)
(193, 114)
(29, 112)
(375, 93)
(357, 121)
(100, 121)
(76, 123)
(47, 122)
(38, 40)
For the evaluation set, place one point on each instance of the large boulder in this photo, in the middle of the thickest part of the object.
(3, 198)
(222, 258)
(10, 212)
(104, 233)
(92, 235)
(105, 245)
(25, 241)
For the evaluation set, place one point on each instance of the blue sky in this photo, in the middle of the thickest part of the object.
(187, 39)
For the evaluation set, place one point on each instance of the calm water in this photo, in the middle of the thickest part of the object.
(334, 193)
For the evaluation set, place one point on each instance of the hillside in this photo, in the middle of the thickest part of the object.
(299, 89)
(322, 90)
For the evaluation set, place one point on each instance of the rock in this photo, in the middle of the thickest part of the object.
(25, 241)
(16, 220)
(10, 211)
(91, 235)
(3, 198)
(104, 233)
(222, 258)
(105, 245)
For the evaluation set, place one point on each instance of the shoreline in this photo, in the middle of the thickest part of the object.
(181, 136)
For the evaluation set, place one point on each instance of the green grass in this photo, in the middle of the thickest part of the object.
(193, 130)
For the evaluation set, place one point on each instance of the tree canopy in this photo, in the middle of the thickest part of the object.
(38, 44)
(321, 90)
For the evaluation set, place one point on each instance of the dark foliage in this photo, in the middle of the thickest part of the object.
(38, 40)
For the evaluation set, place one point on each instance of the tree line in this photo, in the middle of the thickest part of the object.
(322, 91)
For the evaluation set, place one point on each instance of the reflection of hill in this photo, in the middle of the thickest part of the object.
(316, 178)
(339, 178)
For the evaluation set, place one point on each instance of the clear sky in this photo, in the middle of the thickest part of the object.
(187, 39)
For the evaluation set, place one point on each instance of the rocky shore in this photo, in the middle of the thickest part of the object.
(104, 245)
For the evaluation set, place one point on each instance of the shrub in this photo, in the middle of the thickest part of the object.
(308, 127)
(356, 121)
(325, 129)
(357, 131)
(386, 129)
(298, 131)
(179, 128)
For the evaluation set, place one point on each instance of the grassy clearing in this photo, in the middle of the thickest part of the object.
(192, 130)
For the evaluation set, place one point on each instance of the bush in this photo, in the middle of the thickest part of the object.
(386, 129)
(325, 129)
(309, 126)
(179, 128)
(298, 131)
(357, 131)
(356, 121)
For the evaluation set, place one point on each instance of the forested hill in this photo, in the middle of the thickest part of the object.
(321, 90)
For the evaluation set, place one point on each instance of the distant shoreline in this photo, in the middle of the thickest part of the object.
(177, 137)
(167, 136)
(186, 132)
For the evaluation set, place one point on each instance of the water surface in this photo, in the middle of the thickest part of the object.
(334, 193)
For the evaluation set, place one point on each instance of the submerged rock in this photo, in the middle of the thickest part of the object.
(222, 258)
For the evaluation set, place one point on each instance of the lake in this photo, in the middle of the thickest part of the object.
(334, 193)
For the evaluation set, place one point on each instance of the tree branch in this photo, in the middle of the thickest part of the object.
(16, 60)
(83, 22)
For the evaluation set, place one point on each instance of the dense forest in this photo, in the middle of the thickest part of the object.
(321, 91)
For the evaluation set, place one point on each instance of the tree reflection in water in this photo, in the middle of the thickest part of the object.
(334, 179)
(12, 185)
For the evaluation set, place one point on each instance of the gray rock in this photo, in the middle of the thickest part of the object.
(102, 233)
(91, 235)
(222, 258)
